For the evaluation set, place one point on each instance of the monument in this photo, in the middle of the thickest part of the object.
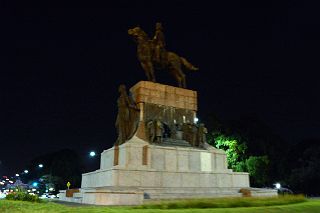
(161, 152)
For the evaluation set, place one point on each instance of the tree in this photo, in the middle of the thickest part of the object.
(59, 168)
(249, 142)
(305, 167)
(257, 167)
(235, 150)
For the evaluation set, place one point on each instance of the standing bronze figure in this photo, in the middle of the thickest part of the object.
(152, 53)
(128, 116)
(155, 131)
(201, 134)
(159, 44)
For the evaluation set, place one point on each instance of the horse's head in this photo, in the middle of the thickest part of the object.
(138, 33)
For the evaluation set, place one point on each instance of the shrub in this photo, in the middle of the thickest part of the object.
(23, 196)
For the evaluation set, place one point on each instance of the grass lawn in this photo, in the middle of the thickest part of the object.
(312, 206)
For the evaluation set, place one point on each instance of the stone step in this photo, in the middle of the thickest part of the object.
(175, 142)
(190, 195)
(202, 192)
(197, 192)
(261, 192)
(77, 195)
(192, 190)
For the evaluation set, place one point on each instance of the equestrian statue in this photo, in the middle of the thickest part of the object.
(152, 55)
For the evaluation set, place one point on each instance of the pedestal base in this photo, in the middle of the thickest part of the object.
(145, 171)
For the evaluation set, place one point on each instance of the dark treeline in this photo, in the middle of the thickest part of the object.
(58, 168)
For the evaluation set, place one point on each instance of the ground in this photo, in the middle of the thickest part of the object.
(310, 205)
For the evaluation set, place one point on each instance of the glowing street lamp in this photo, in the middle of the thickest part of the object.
(26, 171)
(40, 165)
(92, 154)
(17, 175)
(278, 185)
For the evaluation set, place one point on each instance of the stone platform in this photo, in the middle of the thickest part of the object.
(173, 168)
(143, 165)
(158, 172)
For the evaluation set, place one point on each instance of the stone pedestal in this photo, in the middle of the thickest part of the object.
(167, 171)
(138, 169)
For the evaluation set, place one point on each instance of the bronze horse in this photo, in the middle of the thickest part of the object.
(170, 60)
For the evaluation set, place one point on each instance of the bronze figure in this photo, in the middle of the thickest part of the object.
(151, 131)
(152, 53)
(202, 132)
(155, 131)
(127, 118)
(159, 44)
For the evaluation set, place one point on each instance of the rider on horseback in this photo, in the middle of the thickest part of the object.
(159, 44)
(152, 53)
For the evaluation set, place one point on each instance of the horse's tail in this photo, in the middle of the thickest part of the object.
(187, 64)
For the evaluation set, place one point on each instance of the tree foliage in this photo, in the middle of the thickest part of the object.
(59, 168)
(304, 167)
(249, 145)
(258, 168)
(235, 150)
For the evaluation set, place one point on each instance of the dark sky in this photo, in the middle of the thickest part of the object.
(61, 65)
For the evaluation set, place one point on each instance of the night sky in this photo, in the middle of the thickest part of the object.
(60, 67)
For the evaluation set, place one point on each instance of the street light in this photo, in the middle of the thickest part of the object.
(278, 185)
(92, 154)
(40, 165)
(26, 171)
(17, 175)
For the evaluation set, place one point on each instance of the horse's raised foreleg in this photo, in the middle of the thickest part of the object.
(183, 79)
(148, 68)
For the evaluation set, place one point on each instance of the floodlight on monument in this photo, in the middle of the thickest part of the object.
(92, 154)
(40, 165)
(26, 171)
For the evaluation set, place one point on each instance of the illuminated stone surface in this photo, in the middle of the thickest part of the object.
(163, 171)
